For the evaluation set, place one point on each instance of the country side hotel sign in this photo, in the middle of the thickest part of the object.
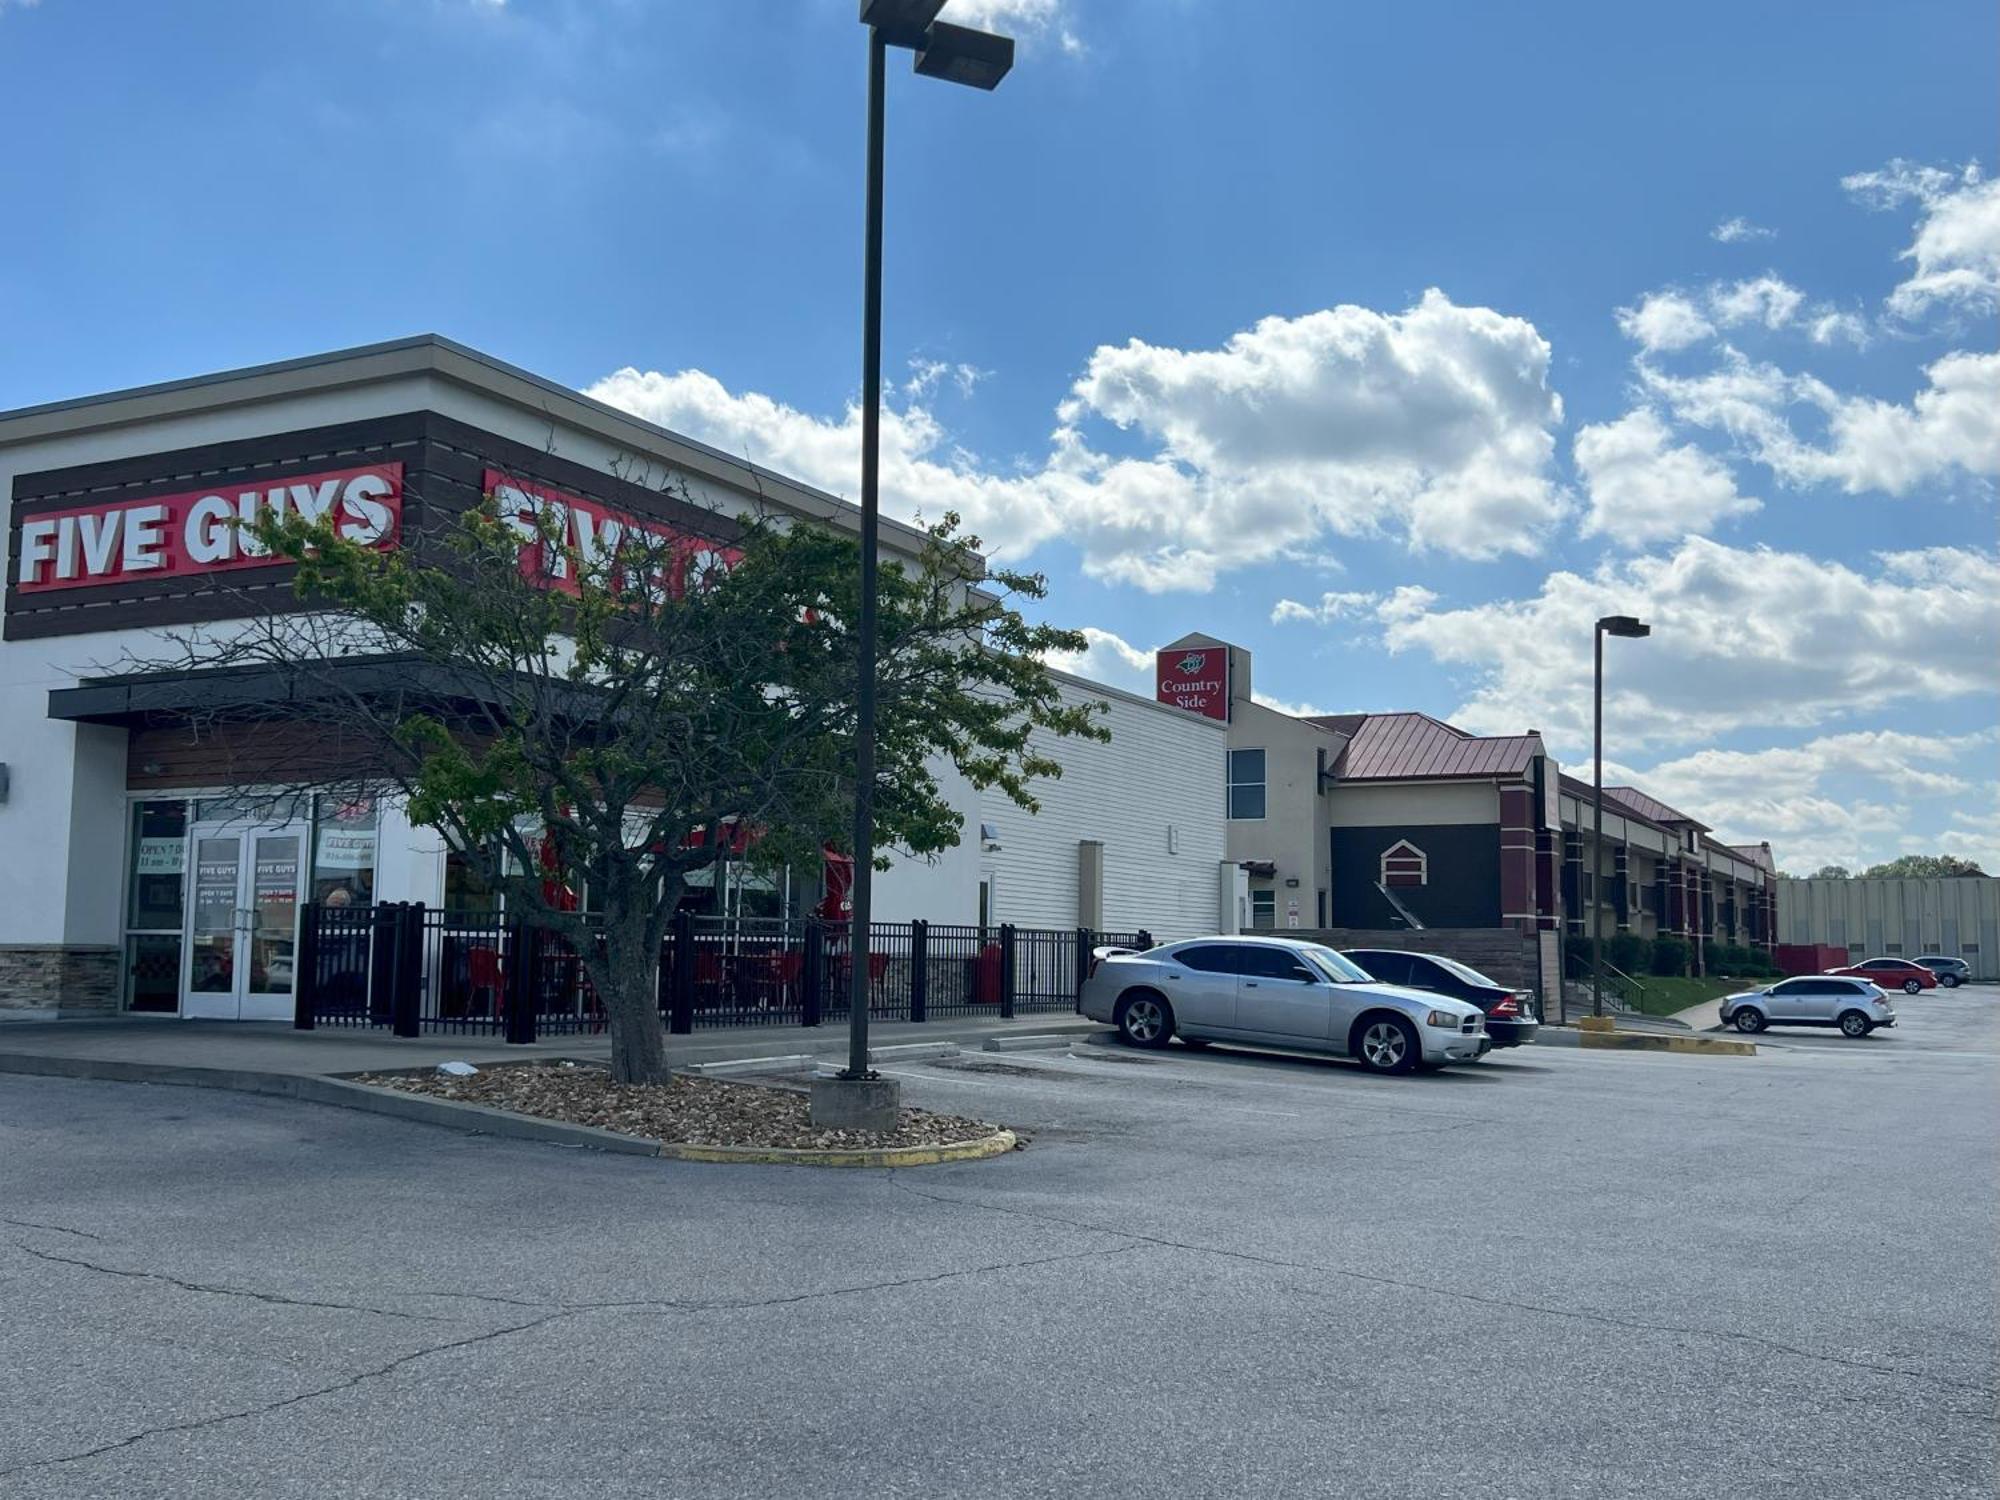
(1195, 678)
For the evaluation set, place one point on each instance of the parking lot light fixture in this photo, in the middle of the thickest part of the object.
(1632, 629)
(979, 59)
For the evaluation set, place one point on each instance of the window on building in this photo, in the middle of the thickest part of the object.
(1263, 909)
(154, 890)
(1403, 863)
(343, 870)
(1246, 784)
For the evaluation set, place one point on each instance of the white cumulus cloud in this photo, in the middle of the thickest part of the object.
(1331, 607)
(1645, 488)
(1956, 253)
(1110, 659)
(1868, 444)
(1026, 19)
(1664, 322)
(1768, 300)
(1742, 638)
(1435, 424)
(1736, 230)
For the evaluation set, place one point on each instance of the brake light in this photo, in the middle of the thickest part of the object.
(1505, 1008)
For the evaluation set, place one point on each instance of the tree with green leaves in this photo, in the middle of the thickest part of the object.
(565, 714)
(1922, 867)
(1831, 872)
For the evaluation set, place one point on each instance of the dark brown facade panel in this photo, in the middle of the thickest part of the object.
(239, 755)
(179, 468)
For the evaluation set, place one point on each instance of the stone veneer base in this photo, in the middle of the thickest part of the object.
(66, 979)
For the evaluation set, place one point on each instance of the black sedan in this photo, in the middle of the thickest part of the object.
(1510, 1013)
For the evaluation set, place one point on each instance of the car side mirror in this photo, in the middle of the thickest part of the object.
(1301, 972)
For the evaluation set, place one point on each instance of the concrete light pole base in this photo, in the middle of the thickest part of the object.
(856, 1104)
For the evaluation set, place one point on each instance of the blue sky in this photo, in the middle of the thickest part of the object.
(1392, 342)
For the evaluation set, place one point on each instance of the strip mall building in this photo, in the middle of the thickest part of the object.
(145, 871)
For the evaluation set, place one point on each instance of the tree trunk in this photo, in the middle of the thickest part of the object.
(631, 1003)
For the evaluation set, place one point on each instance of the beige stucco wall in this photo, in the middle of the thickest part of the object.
(1392, 804)
(1291, 834)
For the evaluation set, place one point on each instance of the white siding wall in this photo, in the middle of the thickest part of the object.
(1161, 769)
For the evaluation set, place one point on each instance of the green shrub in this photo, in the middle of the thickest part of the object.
(1628, 951)
(1670, 956)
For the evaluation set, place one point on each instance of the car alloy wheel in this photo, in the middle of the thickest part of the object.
(1387, 1046)
(1853, 1023)
(1949, 981)
(1143, 1022)
(1912, 986)
(1748, 1019)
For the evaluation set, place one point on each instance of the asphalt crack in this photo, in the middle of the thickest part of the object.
(1459, 1295)
(82, 1234)
(276, 1299)
(196, 1424)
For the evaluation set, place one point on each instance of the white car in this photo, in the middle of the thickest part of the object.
(1277, 993)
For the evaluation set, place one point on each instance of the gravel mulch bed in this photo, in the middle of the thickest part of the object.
(683, 1111)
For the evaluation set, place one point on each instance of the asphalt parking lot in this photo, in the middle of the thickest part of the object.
(1557, 1273)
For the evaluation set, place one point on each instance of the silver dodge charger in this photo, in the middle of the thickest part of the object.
(1276, 992)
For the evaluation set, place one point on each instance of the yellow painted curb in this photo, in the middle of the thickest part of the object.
(1595, 1023)
(1646, 1041)
(996, 1144)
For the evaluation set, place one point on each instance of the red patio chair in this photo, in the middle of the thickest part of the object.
(483, 968)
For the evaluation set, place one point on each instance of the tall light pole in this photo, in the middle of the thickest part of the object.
(1623, 625)
(978, 59)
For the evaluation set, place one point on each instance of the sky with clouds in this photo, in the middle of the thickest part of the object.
(1395, 343)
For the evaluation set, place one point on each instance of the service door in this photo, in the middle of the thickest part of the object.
(242, 922)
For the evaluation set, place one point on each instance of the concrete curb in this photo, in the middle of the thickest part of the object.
(912, 1052)
(1032, 1043)
(997, 1144)
(313, 1089)
(784, 1062)
(1643, 1041)
(479, 1119)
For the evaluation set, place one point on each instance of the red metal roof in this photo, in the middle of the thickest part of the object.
(1651, 807)
(1408, 746)
(1757, 854)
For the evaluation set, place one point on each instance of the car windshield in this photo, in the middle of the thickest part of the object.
(1336, 967)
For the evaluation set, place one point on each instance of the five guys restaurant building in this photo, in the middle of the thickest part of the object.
(146, 865)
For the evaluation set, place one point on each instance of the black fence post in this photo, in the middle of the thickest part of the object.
(305, 968)
(523, 958)
(407, 970)
(1006, 971)
(1145, 939)
(680, 1009)
(920, 966)
(1085, 941)
(812, 974)
(382, 963)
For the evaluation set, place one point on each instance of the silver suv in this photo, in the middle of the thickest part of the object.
(1856, 1006)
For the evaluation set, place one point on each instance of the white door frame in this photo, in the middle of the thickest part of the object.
(240, 1002)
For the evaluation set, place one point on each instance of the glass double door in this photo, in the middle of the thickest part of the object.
(242, 921)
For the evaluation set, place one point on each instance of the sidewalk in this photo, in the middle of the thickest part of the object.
(136, 1047)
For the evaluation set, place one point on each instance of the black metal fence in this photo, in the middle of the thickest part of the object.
(415, 969)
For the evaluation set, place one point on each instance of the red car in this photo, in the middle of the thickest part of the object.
(1892, 974)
